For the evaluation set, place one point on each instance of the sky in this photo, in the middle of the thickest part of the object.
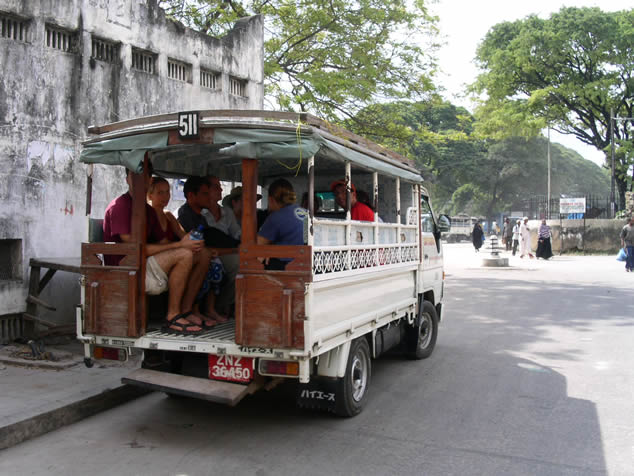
(464, 23)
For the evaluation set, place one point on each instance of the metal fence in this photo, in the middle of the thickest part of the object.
(537, 208)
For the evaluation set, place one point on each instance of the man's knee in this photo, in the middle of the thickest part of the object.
(170, 258)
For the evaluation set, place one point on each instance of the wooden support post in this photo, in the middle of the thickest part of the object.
(137, 318)
(249, 200)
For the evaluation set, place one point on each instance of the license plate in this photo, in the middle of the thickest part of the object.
(231, 367)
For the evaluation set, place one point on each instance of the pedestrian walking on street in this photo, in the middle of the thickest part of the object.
(544, 247)
(627, 242)
(507, 234)
(477, 236)
(516, 236)
(525, 239)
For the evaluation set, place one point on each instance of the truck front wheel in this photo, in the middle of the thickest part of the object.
(421, 338)
(352, 389)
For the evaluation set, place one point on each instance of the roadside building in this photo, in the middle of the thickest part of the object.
(67, 65)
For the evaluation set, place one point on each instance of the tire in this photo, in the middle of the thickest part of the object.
(421, 338)
(352, 389)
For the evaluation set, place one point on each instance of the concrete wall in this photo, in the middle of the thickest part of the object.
(48, 98)
(598, 236)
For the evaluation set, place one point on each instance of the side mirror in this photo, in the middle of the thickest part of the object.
(444, 223)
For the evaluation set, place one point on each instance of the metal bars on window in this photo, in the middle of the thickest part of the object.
(237, 86)
(143, 60)
(105, 50)
(60, 39)
(179, 71)
(209, 79)
(13, 28)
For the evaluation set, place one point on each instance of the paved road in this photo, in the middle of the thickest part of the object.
(532, 375)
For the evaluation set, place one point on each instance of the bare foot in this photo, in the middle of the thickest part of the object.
(217, 317)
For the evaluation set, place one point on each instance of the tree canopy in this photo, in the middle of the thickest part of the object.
(330, 57)
(568, 71)
(476, 175)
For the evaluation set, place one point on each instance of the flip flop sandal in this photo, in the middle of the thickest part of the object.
(185, 329)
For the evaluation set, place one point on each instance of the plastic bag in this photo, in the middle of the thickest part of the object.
(622, 256)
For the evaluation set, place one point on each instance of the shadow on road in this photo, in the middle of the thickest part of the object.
(472, 408)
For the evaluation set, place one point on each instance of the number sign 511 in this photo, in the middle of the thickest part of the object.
(188, 125)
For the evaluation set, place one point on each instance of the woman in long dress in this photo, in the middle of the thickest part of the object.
(477, 236)
(544, 248)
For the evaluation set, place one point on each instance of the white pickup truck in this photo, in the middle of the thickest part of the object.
(353, 291)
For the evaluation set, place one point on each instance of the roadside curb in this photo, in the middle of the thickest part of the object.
(38, 425)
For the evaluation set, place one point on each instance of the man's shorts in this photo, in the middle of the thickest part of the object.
(155, 277)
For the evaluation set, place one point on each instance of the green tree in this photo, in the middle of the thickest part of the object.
(330, 57)
(567, 71)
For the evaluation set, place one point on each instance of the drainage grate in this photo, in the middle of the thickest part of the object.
(10, 328)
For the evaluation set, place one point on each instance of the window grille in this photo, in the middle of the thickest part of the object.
(179, 71)
(237, 87)
(144, 61)
(14, 28)
(209, 79)
(61, 39)
(105, 50)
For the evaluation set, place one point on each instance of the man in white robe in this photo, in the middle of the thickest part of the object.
(525, 239)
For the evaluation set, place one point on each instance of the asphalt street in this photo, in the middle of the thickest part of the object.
(532, 375)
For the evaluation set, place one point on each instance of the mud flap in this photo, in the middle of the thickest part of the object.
(318, 394)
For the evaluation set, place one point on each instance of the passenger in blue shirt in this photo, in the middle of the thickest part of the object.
(285, 224)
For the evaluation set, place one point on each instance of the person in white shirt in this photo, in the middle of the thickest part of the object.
(525, 239)
(516, 236)
(217, 216)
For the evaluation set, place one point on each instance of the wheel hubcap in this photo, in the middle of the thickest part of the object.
(424, 330)
(359, 376)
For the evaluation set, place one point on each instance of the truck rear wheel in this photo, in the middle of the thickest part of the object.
(352, 389)
(421, 338)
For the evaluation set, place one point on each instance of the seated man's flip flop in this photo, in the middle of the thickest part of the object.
(173, 327)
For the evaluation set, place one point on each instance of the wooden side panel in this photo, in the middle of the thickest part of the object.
(270, 305)
(111, 305)
(108, 301)
(270, 311)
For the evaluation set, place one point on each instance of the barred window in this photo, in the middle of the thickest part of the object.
(179, 71)
(143, 60)
(105, 50)
(61, 39)
(237, 86)
(210, 79)
(14, 28)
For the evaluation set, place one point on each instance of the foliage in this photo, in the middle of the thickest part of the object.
(330, 57)
(474, 175)
(567, 71)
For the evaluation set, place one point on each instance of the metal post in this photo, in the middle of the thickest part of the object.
(612, 197)
(548, 202)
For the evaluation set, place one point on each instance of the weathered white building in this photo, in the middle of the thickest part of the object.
(69, 64)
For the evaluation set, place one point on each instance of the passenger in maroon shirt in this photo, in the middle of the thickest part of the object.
(178, 266)
(358, 211)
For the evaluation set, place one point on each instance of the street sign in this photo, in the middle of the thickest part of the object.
(572, 205)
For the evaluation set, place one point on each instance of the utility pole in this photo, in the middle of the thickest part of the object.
(612, 203)
(548, 192)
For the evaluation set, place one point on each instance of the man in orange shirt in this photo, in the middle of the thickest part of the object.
(358, 211)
